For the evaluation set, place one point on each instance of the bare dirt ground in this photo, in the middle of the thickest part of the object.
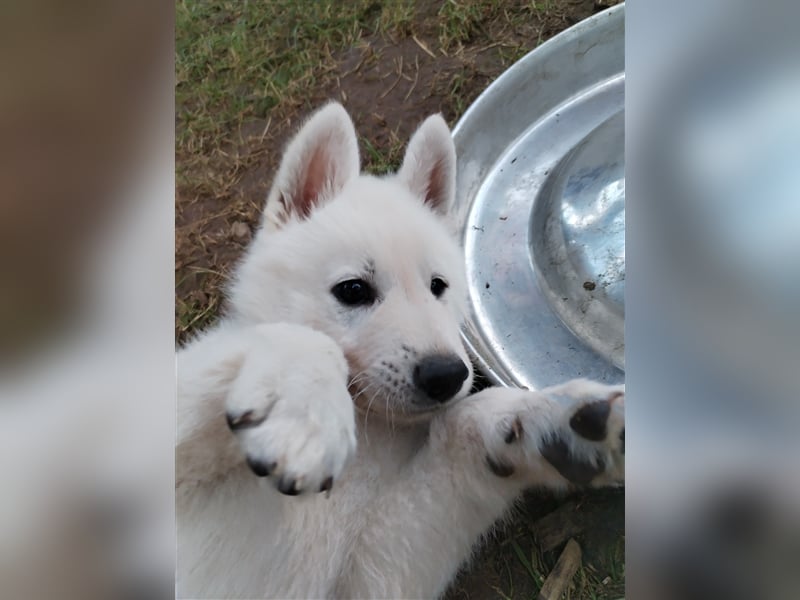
(431, 56)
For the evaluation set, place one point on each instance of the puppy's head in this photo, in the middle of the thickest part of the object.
(369, 261)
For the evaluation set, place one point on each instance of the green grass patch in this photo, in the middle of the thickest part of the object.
(381, 161)
(464, 20)
(238, 60)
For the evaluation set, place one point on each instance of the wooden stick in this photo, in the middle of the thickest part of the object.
(558, 580)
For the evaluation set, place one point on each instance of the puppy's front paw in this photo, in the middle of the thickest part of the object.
(292, 414)
(577, 428)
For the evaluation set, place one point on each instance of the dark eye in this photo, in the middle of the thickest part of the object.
(438, 286)
(354, 292)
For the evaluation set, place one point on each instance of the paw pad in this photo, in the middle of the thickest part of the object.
(246, 420)
(514, 432)
(260, 468)
(288, 487)
(498, 468)
(581, 472)
(591, 421)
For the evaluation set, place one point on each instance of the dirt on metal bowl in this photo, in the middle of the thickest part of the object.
(541, 205)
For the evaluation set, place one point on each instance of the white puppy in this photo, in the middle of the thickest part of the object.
(326, 444)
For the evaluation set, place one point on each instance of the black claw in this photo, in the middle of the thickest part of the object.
(260, 468)
(556, 452)
(515, 432)
(591, 421)
(622, 439)
(288, 487)
(246, 420)
(499, 469)
(326, 485)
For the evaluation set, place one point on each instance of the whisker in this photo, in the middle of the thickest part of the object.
(373, 386)
(390, 411)
(366, 416)
(391, 398)
(364, 390)
(357, 378)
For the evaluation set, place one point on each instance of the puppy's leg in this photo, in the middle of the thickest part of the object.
(206, 368)
(480, 456)
(573, 433)
(281, 389)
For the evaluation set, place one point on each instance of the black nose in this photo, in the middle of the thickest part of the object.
(440, 376)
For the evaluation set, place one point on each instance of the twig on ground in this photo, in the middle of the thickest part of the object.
(561, 575)
(396, 81)
(422, 45)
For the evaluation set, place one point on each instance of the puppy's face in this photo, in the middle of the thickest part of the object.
(368, 261)
(389, 287)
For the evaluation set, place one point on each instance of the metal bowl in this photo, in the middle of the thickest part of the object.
(541, 208)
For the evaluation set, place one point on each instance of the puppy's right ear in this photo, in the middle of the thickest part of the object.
(317, 164)
(429, 166)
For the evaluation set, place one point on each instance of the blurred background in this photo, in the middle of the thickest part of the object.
(86, 296)
(712, 328)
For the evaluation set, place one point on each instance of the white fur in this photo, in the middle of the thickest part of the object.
(329, 393)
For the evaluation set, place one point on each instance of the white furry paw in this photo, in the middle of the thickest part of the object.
(291, 411)
(577, 428)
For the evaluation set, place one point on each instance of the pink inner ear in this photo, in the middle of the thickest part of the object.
(435, 193)
(318, 174)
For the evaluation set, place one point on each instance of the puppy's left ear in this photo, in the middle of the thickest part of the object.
(320, 160)
(429, 166)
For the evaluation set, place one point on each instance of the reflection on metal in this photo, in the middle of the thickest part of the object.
(541, 199)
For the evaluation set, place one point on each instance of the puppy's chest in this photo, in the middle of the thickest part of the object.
(382, 454)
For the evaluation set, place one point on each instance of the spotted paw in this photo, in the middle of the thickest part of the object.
(572, 433)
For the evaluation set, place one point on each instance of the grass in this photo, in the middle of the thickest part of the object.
(463, 21)
(236, 61)
(595, 585)
(380, 162)
(514, 565)
(241, 62)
